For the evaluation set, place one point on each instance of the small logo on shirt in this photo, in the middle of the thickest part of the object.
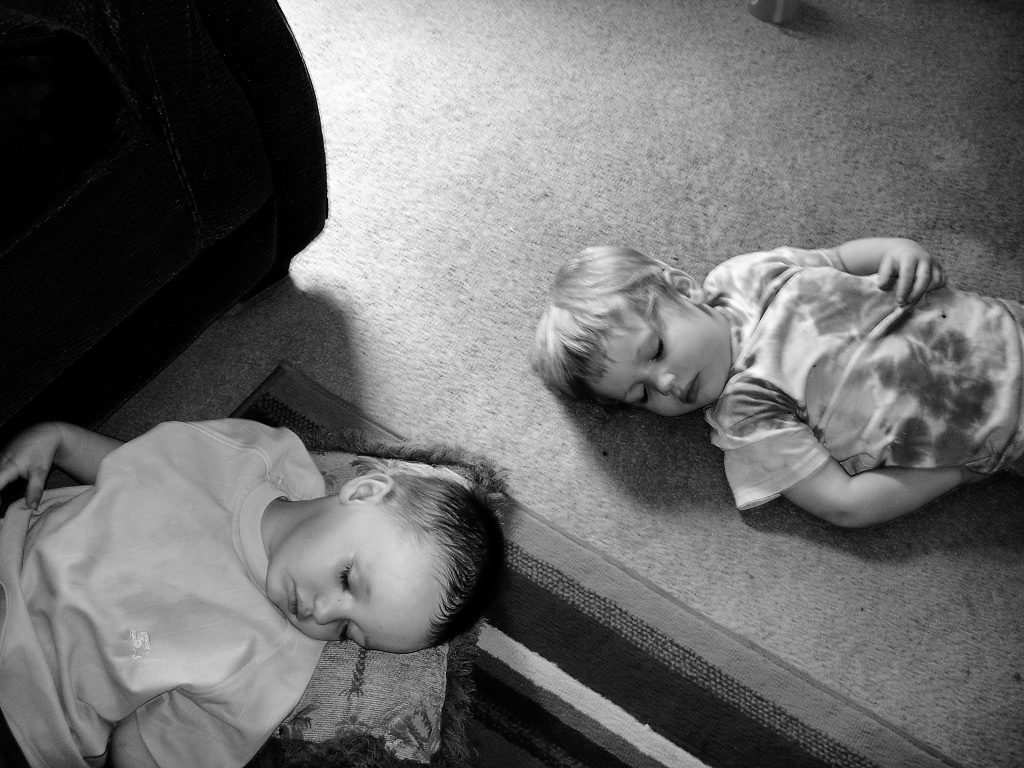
(140, 644)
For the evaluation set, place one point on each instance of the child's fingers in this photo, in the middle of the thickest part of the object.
(914, 277)
(34, 492)
(885, 272)
(923, 282)
(907, 283)
(9, 472)
(929, 277)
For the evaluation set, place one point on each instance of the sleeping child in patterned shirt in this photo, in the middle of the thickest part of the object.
(857, 404)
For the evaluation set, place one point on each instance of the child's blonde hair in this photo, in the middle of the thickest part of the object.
(591, 298)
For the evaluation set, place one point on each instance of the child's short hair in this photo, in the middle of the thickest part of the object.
(590, 298)
(445, 510)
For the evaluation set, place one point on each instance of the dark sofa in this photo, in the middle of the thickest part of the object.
(159, 161)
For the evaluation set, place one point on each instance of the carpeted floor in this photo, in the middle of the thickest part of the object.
(473, 144)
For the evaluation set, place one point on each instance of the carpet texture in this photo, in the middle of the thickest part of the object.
(582, 664)
(472, 145)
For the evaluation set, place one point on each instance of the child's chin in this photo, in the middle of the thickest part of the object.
(682, 410)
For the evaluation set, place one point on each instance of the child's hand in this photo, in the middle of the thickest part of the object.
(30, 456)
(915, 270)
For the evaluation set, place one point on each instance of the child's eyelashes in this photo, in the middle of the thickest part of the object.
(659, 352)
(343, 578)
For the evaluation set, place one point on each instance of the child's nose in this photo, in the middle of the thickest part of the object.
(664, 383)
(325, 610)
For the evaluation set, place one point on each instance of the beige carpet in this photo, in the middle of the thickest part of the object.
(472, 145)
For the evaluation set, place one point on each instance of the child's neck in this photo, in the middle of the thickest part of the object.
(282, 516)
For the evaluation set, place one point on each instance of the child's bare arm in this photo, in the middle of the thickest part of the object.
(32, 453)
(915, 270)
(872, 497)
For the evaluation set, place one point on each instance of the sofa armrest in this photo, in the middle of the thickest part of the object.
(258, 45)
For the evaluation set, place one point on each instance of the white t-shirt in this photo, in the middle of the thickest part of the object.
(147, 592)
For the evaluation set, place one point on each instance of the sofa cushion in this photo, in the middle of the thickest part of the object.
(194, 101)
(130, 354)
(195, 188)
(58, 108)
(65, 286)
(254, 34)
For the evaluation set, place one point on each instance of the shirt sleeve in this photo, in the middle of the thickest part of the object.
(192, 451)
(281, 455)
(750, 282)
(763, 470)
(768, 446)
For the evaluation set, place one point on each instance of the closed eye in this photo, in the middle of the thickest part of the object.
(659, 352)
(343, 578)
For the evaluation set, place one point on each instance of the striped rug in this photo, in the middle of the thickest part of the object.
(583, 664)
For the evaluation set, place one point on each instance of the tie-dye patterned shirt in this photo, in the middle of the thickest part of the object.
(826, 363)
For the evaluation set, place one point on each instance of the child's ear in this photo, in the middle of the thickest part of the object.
(684, 284)
(371, 487)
